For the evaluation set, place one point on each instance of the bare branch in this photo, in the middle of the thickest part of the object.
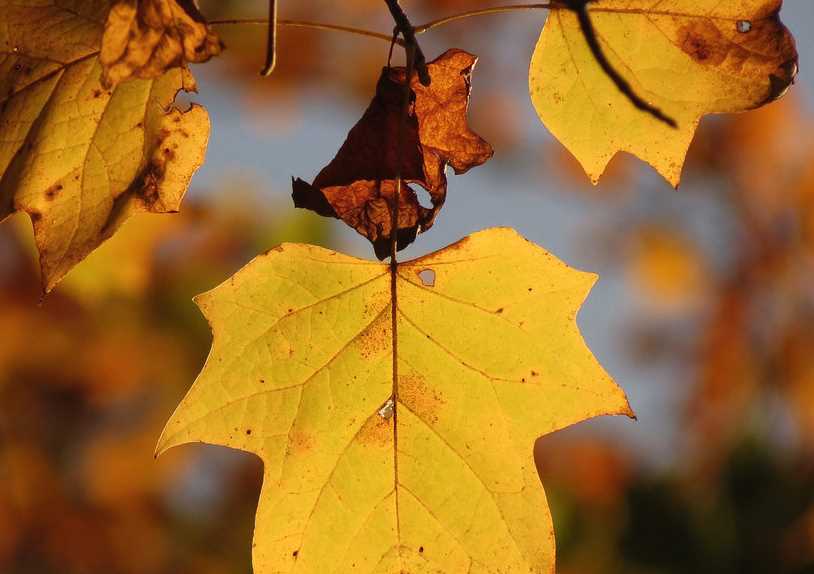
(408, 33)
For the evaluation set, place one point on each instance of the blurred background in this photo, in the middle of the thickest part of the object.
(704, 314)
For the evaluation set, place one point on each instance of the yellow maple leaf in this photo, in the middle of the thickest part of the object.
(78, 158)
(687, 58)
(406, 453)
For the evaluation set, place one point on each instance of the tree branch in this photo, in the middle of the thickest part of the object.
(408, 33)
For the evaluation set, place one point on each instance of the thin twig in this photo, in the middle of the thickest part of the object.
(271, 50)
(408, 33)
(306, 24)
(483, 12)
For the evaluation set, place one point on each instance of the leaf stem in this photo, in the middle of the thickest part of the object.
(415, 58)
(407, 31)
(271, 50)
(485, 12)
(306, 24)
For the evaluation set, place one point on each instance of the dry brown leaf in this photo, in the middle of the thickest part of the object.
(358, 184)
(144, 38)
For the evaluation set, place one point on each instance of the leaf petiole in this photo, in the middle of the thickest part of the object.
(305, 24)
(484, 12)
(271, 50)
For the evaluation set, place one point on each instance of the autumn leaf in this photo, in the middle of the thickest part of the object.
(145, 38)
(78, 158)
(687, 58)
(406, 452)
(357, 186)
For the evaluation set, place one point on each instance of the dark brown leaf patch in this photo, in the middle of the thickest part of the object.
(359, 184)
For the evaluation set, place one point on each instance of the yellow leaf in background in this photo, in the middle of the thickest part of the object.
(668, 267)
(145, 38)
(78, 158)
(432, 474)
(686, 57)
(124, 265)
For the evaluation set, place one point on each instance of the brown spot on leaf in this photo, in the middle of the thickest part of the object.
(376, 338)
(703, 42)
(358, 186)
(300, 441)
(52, 192)
(376, 431)
(146, 187)
(417, 396)
(781, 80)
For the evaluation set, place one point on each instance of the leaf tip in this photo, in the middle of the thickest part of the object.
(160, 446)
(166, 441)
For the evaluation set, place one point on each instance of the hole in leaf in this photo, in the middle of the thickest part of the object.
(427, 277)
(744, 26)
(386, 410)
(424, 197)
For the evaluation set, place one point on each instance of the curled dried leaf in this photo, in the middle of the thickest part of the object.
(359, 184)
(144, 38)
